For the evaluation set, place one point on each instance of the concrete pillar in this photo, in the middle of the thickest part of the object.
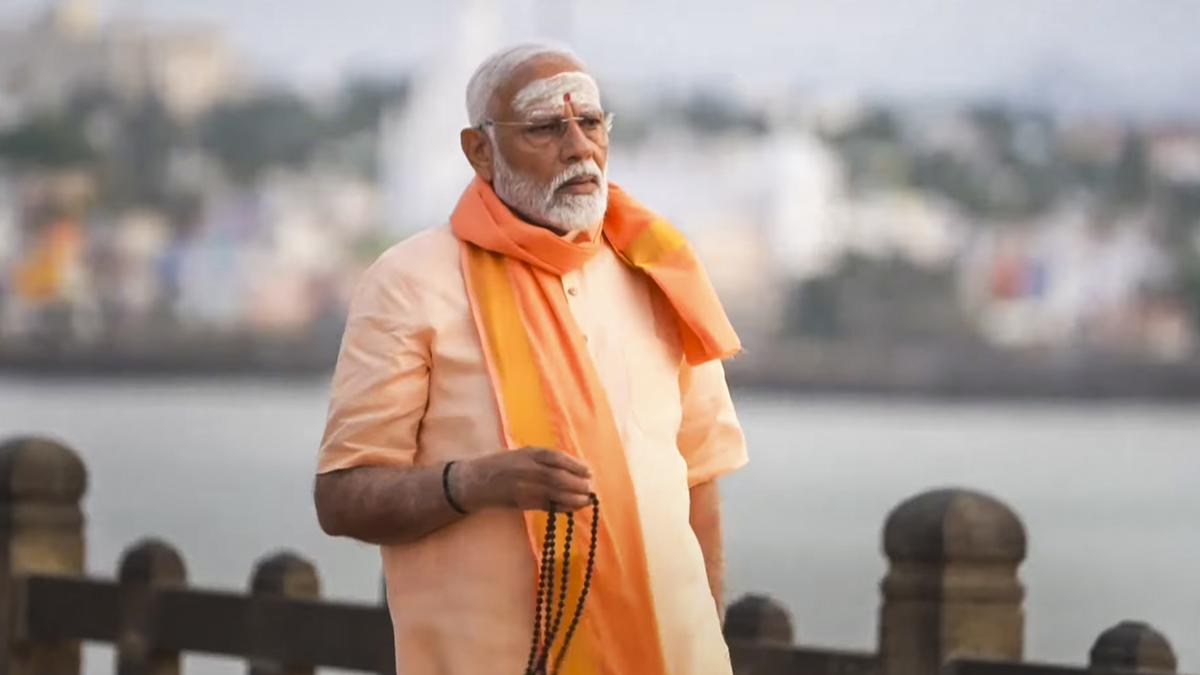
(145, 566)
(284, 575)
(951, 588)
(1132, 647)
(760, 620)
(41, 532)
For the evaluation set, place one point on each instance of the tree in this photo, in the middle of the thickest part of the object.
(270, 129)
(1131, 175)
(135, 170)
(880, 301)
(363, 102)
(46, 141)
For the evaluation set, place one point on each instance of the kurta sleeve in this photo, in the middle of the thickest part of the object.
(710, 437)
(381, 382)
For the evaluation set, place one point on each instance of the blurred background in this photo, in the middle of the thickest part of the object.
(961, 242)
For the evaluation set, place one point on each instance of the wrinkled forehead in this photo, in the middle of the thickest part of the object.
(546, 95)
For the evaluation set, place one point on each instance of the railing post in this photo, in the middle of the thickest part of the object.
(284, 575)
(41, 532)
(1132, 647)
(758, 620)
(383, 600)
(951, 588)
(145, 566)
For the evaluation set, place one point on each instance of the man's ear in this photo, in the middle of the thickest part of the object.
(478, 151)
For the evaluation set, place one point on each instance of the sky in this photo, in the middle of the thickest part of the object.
(1139, 55)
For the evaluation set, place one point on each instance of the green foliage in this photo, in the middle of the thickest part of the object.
(872, 151)
(275, 128)
(1182, 211)
(876, 125)
(46, 141)
(713, 112)
(279, 128)
(134, 168)
(363, 103)
(1187, 281)
(129, 145)
(352, 129)
(1130, 182)
(1015, 172)
(878, 300)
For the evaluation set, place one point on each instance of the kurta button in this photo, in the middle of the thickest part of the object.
(573, 290)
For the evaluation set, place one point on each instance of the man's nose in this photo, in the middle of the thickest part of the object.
(575, 146)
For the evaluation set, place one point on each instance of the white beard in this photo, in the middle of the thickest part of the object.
(542, 204)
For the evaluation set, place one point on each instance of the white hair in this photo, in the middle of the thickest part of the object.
(498, 67)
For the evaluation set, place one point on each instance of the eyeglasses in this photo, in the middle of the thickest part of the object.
(543, 131)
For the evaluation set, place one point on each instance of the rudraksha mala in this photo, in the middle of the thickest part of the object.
(543, 636)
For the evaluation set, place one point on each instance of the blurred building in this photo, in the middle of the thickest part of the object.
(423, 164)
(425, 171)
(1061, 281)
(69, 50)
(831, 219)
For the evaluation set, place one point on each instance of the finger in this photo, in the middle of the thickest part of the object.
(566, 481)
(568, 501)
(562, 460)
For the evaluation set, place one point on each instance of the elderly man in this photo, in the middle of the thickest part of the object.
(553, 342)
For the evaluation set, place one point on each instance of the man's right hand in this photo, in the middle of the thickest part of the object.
(527, 479)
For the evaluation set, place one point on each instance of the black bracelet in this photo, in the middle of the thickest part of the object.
(446, 489)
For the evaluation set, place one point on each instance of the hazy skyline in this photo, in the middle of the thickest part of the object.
(1124, 54)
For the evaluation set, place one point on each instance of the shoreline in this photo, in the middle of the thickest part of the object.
(922, 372)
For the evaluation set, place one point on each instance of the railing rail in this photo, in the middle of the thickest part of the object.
(257, 628)
(952, 602)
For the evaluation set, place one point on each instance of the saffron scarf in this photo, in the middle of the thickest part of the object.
(549, 394)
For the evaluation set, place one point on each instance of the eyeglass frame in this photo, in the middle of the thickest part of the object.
(606, 118)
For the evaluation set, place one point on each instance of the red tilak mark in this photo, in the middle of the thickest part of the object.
(567, 97)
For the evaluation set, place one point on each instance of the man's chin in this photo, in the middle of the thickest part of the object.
(566, 224)
(577, 212)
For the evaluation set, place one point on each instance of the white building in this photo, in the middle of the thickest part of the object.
(424, 168)
(69, 49)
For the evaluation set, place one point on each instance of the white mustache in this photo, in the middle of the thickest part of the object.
(587, 168)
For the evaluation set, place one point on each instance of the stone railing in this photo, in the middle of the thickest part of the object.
(148, 613)
(952, 602)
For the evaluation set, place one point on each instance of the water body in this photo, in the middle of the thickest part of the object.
(1109, 493)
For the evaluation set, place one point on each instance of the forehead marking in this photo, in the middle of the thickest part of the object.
(548, 93)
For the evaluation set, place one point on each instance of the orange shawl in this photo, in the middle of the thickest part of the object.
(549, 394)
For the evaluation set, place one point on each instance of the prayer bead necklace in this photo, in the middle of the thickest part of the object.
(543, 638)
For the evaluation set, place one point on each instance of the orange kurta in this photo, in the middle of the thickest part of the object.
(412, 387)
